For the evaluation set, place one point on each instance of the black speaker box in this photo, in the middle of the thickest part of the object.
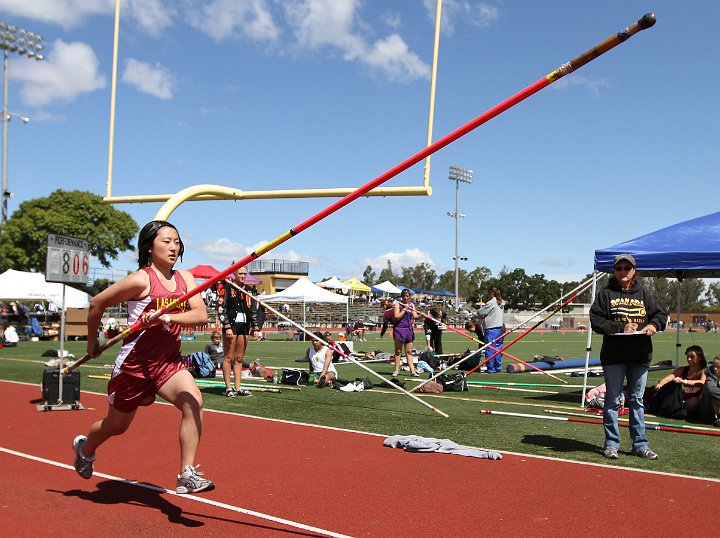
(51, 386)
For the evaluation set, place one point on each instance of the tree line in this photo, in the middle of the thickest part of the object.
(528, 292)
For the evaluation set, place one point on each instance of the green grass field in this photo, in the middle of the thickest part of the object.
(390, 412)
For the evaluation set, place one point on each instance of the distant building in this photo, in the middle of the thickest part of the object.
(277, 275)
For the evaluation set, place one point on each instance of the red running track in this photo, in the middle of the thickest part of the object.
(335, 481)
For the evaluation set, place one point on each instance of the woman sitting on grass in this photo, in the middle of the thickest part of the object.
(321, 362)
(691, 378)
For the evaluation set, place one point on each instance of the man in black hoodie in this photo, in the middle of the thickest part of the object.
(627, 316)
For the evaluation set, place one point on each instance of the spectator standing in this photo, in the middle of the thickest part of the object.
(404, 316)
(387, 316)
(434, 330)
(239, 321)
(492, 314)
(627, 316)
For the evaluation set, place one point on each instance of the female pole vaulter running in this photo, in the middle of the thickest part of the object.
(149, 363)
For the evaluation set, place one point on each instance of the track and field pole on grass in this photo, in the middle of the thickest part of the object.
(588, 421)
(646, 21)
(653, 422)
(514, 384)
(513, 357)
(336, 348)
(577, 290)
(515, 389)
(588, 346)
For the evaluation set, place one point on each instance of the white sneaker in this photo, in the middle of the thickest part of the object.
(191, 481)
(83, 465)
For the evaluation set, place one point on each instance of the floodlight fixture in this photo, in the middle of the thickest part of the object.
(458, 175)
(25, 43)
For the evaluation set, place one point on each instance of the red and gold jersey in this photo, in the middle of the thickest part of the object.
(146, 352)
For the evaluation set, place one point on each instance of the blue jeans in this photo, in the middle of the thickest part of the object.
(495, 364)
(636, 379)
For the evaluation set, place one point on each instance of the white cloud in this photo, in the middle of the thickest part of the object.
(392, 56)
(480, 14)
(392, 19)
(153, 16)
(332, 24)
(554, 263)
(65, 13)
(152, 80)
(68, 70)
(224, 252)
(221, 19)
(209, 111)
(322, 22)
(293, 256)
(595, 85)
(408, 258)
(42, 115)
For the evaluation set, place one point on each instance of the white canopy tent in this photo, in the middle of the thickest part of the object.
(24, 286)
(334, 283)
(303, 291)
(386, 287)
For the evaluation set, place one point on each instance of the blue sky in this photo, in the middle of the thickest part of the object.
(270, 94)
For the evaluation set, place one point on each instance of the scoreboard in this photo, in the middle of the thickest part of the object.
(67, 259)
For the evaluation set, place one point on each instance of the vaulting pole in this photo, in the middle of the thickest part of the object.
(646, 21)
(515, 384)
(587, 421)
(588, 346)
(653, 422)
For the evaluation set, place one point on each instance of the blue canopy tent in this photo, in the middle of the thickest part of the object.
(689, 249)
(442, 292)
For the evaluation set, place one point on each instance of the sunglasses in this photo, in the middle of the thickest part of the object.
(624, 268)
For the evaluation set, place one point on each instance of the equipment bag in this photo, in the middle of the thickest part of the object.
(453, 382)
(430, 358)
(294, 377)
(200, 365)
(51, 386)
(668, 402)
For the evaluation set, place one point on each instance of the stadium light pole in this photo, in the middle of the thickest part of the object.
(24, 43)
(458, 175)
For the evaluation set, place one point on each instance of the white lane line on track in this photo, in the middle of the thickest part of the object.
(218, 504)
